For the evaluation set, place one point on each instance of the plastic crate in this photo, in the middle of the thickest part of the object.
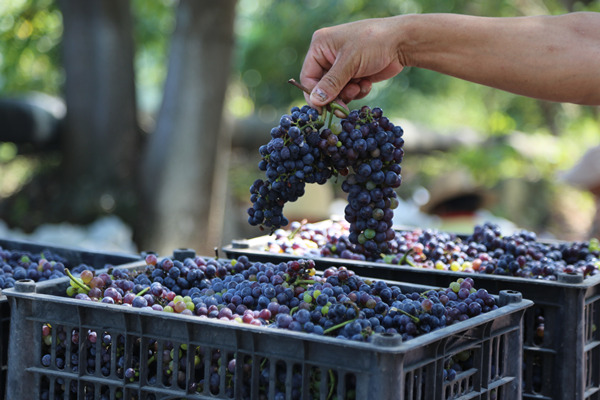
(265, 358)
(73, 256)
(563, 365)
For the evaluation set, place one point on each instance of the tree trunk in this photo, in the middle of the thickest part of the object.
(101, 133)
(183, 177)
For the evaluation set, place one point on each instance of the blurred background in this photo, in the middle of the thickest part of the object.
(135, 125)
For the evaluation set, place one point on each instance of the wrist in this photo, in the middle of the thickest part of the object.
(425, 39)
(405, 37)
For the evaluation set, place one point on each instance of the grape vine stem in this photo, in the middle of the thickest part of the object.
(74, 280)
(329, 107)
(295, 232)
(299, 85)
(414, 318)
(340, 325)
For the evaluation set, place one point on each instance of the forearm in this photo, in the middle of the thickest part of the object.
(548, 57)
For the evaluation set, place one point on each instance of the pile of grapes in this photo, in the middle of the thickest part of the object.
(365, 148)
(485, 251)
(22, 264)
(289, 295)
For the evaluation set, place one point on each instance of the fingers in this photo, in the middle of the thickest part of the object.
(313, 68)
(311, 73)
(350, 92)
(332, 82)
(354, 90)
(365, 88)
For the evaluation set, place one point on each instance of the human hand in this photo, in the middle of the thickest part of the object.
(345, 60)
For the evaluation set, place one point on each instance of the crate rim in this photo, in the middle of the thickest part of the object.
(5, 243)
(232, 252)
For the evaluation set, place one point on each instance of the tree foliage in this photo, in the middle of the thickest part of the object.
(524, 138)
(30, 34)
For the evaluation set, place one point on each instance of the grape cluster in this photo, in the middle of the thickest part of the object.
(365, 148)
(372, 148)
(291, 159)
(23, 264)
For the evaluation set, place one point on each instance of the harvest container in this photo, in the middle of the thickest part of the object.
(303, 365)
(562, 363)
(72, 257)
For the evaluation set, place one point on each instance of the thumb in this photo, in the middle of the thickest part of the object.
(331, 84)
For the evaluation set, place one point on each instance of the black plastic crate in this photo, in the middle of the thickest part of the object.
(73, 257)
(564, 364)
(319, 367)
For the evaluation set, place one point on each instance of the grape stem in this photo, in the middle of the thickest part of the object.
(336, 106)
(323, 117)
(305, 281)
(330, 119)
(406, 260)
(73, 279)
(302, 223)
(299, 85)
(331, 385)
(142, 292)
(416, 319)
(412, 264)
(340, 325)
(330, 106)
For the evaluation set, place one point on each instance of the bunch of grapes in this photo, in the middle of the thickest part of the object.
(290, 160)
(372, 148)
(365, 147)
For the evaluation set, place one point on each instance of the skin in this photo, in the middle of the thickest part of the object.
(555, 58)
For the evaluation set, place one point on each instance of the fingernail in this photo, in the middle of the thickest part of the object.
(318, 94)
